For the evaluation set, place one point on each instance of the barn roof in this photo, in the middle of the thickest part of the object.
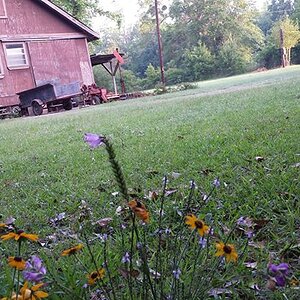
(91, 34)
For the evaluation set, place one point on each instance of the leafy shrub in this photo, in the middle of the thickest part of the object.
(233, 59)
(269, 56)
(199, 63)
(152, 77)
(174, 76)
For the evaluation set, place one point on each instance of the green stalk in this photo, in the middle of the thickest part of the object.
(117, 170)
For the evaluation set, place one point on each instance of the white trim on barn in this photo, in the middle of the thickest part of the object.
(3, 12)
(16, 55)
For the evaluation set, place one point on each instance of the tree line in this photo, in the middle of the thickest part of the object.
(202, 39)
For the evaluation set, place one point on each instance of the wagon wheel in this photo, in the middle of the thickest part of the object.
(75, 101)
(96, 100)
(16, 111)
(68, 105)
(37, 108)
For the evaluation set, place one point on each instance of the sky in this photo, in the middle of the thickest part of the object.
(129, 8)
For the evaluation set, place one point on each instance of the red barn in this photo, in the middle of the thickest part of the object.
(41, 43)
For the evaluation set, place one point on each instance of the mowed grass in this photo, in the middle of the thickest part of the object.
(215, 130)
(45, 166)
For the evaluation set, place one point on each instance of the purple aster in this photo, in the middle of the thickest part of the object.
(245, 221)
(202, 242)
(280, 280)
(126, 258)
(93, 140)
(34, 270)
(281, 268)
(177, 273)
(280, 272)
(139, 245)
(217, 183)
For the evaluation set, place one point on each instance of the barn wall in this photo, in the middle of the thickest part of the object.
(57, 51)
(13, 81)
(72, 66)
(26, 17)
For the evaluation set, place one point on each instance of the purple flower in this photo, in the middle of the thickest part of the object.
(280, 280)
(202, 242)
(280, 272)
(177, 273)
(126, 258)
(245, 221)
(102, 237)
(34, 270)
(168, 231)
(282, 268)
(217, 183)
(93, 140)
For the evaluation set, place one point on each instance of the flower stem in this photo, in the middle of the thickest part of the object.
(158, 254)
(94, 263)
(18, 277)
(108, 271)
(117, 170)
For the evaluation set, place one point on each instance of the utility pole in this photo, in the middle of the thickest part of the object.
(282, 49)
(162, 71)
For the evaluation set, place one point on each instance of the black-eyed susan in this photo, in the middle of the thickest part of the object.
(226, 250)
(33, 293)
(72, 250)
(193, 222)
(96, 275)
(17, 262)
(139, 210)
(19, 236)
(3, 225)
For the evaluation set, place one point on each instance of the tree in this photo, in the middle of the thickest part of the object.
(83, 10)
(285, 34)
(199, 62)
(280, 9)
(210, 23)
(296, 12)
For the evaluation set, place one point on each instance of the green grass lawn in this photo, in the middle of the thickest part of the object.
(215, 130)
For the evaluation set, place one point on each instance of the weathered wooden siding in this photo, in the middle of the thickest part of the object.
(13, 81)
(63, 65)
(57, 51)
(26, 17)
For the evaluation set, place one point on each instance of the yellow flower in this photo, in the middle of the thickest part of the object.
(3, 225)
(226, 250)
(32, 293)
(139, 210)
(96, 275)
(19, 235)
(17, 262)
(72, 250)
(193, 223)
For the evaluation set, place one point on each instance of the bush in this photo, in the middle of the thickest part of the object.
(174, 76)
(233, 59)
(269, 57)
(199, 63)
(152, 77)
(132, 82)
(296, 54)
(102, 78)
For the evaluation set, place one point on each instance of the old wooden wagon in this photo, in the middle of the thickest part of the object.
(48, 96)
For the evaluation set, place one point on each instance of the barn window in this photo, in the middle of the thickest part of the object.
(2, 9)
(16, 55)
